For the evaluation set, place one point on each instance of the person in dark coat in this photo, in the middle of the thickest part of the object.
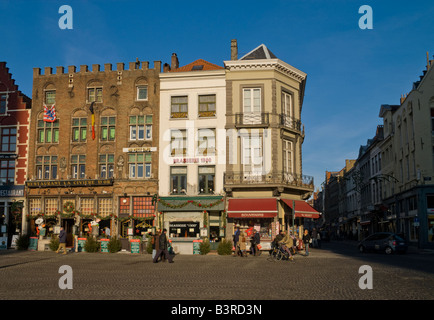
(62, 241)
(255, 240)
(163, 244)
(236, 240)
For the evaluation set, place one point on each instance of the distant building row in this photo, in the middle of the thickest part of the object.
(390, 186)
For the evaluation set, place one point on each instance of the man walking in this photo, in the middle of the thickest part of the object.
(163, 244)
(236, 239)
(62, 241)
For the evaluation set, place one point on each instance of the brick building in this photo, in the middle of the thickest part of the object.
(94, 149)
(14, 130)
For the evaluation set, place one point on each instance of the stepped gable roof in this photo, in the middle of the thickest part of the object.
(198, 65)
(260, 52)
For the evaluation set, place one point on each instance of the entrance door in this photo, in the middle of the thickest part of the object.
(67, 225)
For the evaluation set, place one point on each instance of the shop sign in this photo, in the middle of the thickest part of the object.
(193, 160)
(69, 183)
(80, 244)
(3, 243)
(196, 246)
(11, 191)
(135, 245)
(33, 245)
(104, 245)
(139, 149)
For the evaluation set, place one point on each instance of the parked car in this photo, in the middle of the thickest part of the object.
(383, 241)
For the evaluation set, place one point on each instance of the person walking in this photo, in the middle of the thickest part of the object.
(62, 240)
(254, 241)
(242, 245)
(306, 241)
(163, 245)
(236, 239)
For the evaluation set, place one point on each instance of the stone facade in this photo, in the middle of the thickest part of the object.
(100, 156)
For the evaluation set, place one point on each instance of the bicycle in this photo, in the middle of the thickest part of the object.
(280, 253)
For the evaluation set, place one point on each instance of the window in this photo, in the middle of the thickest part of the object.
(79, 129)
(106, 165)
(78, 166)
(252, 100)
(7, 172)
(46, 167)
(87, 206)
(143, 207)
(3, 103)
(50, 97)
(141, 127)
(35, 206)
(287, 110)
(139, 165)
(252, 154)
(207, 105)
(124, 206)
(288, 156)
(432, 120)
(108, 128)
(178, 180)
(105, 207)
(9, 139)
(94, 95)
(142, 92)
(287, 104)
(51, 206)
(206, 142)
(178, 143)
(206, 179)
(48, 132)
(179, 107)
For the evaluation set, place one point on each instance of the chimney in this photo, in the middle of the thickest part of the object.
(427, 61)
(234, 49)
(175, 62)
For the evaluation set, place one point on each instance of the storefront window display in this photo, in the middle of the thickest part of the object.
(263, 226)
(184, 229)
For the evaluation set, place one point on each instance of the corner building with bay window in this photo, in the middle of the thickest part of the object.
(93, 150)
(264, 178)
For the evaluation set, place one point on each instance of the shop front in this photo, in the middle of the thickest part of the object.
(188, 219)
(11, 209)
(255, 214)
(297, 212)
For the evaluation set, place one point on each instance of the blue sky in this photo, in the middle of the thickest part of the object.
(351, 71)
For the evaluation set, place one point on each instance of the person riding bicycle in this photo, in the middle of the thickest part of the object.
(287, 243)
(274, 243)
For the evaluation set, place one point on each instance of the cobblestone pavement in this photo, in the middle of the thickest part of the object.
(329, 273)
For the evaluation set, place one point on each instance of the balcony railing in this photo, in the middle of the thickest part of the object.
(291, 123)
(271, 178)
(252, 118)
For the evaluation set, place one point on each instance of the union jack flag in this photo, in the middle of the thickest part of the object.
(49, 113)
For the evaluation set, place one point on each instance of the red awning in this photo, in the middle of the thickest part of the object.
(302, 209)
(252, 208)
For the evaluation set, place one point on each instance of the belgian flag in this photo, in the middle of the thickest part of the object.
(93, 120)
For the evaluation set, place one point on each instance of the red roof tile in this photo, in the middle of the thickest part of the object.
(198, 65)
